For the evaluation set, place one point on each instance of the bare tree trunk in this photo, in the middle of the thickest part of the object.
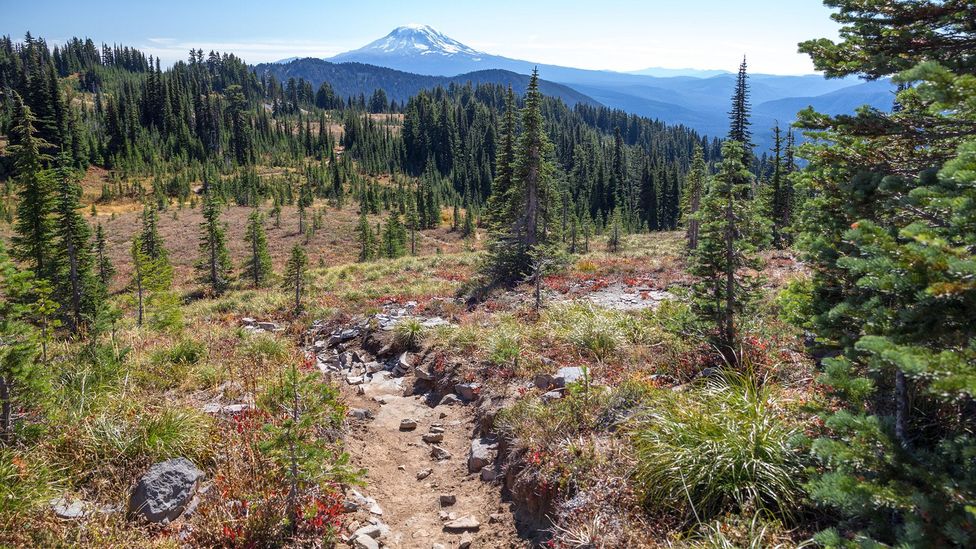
(75, 285)
(729, 326)
(901, 409)
(6, 410)
(139, 294)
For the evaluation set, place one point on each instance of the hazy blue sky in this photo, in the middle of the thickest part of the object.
(608, 34)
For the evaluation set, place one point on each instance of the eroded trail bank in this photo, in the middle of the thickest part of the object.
(424, 484)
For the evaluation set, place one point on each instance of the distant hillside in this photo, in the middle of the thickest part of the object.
(353, 79)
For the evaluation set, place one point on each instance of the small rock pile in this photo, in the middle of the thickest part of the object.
(257, 327)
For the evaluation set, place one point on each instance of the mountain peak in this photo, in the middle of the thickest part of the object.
(416, 39)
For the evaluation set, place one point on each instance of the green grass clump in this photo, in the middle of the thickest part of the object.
(26, 484)
(718, 449)
(409, 334)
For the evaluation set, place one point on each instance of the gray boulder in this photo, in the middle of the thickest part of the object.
(480, 455)
(165, 490)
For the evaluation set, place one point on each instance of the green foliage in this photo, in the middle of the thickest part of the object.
(214, 264)
(296, 275)
(523, 215)
(887, 229)
(257, 267)
(394, 239)
(367, 240)
(409, 333)
(300, 440)
(724, 290)
(719, 448)
(24, 381)
(34, 229)
(26, 486)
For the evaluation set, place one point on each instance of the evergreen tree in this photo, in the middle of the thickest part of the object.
(394, 239)
(367, 242)
(296, 275)
(887, 228)
(74, 286)
(739, 116)
(23, 378)
(723, 290)
(214, 265)
(257, 266)
(694, 189)
(104, 265)
(523, 213)
(34, 229)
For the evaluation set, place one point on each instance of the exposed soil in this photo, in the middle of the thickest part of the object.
(393, 459)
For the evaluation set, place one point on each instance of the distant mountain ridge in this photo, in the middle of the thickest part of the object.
(353, 79)
(696, 98)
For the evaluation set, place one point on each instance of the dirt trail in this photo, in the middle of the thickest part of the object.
(411, 507)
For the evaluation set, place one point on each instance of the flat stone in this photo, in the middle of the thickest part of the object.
(424, 473)
(268, 326)
(449, 400)
(373, 367)
(466, 523)
(359, 413)
(346, 335)
(439, 453)
(248, 321)
(468, 391)
(431, 438)
(365, 542)
(68, 508)
(566, 375)
(372, 530)
(447, 500)
(355, 380)
(435, 429)
(466, 541)
(551, 396)
(496, 518)
(408, 424)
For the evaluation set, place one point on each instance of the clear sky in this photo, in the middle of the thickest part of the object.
(609, 34)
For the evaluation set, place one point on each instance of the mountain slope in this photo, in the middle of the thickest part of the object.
(353, 79)
(698, 99)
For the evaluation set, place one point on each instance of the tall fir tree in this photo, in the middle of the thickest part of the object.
(887, 229)
(214, 264)
(724, 290)
(739, 125)
(296, 276)
(367, 241)
(75, 286)
(694, 189)
(257, 267)
(523, 216)
(34, 229)
(104, 266)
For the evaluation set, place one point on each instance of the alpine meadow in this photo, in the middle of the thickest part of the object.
(262, 287)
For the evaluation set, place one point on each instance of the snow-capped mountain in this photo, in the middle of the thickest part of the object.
(413, 39)
(419, 49)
